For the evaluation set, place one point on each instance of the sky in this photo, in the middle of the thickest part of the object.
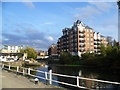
(40, 24)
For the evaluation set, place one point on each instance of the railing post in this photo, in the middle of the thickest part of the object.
(46, 77)
(28, 71)
(9, 67)
(17, 68)
(77, 81)
(23, 71)
(50, 76)
(3, 66)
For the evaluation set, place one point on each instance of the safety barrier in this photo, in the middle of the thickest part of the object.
(81, 82)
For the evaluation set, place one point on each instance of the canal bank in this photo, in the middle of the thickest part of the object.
(11, 80)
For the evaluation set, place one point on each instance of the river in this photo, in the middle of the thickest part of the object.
(78, 71)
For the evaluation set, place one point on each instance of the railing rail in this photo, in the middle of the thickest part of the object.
(27, 71)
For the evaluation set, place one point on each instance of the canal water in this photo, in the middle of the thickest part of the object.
(78, 71)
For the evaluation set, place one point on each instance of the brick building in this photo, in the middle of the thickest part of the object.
(80, 39)
(52, 51)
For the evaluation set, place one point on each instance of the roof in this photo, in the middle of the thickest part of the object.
(87, 27)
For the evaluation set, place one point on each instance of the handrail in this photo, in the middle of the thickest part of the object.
(99, 80)
(76, 77)
(64, 75)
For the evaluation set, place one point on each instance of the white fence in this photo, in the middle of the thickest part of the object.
(86, 83)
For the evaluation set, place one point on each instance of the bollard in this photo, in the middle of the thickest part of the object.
(50, 76)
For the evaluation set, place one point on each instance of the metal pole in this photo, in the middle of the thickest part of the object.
(77, 81)
(50, 75)
(17, 69)
(2, 66)
(46, 77)
(9, 67)
(23, 71)
(28, 71)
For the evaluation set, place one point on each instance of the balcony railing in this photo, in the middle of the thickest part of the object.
(81, 36)
(81, 31)
(82, 45)
(82, 41)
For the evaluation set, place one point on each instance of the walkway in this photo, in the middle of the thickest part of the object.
(11, 80)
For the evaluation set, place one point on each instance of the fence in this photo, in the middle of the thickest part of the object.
(81, 82)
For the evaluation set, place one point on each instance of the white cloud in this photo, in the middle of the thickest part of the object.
(108, 27)
(29, 4)
(86, 12)
(37, 41)
(48, 23)
(95, 8)
(50, 38)
(102, 6)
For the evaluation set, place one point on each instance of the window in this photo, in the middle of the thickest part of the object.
(91, 31)
(87, 35)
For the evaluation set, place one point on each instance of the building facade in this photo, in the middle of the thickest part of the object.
(42, 54)
(52, 51)
(11, 49)
(9, 52)
(79, 39)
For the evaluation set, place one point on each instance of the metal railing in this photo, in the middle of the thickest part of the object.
(81, 82)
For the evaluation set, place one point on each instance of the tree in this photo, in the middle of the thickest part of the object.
(115, 43)
(102, 50)
(22, 51)
(109, 50)
(31, 52)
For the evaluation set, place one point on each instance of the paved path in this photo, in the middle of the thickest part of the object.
(11, 80)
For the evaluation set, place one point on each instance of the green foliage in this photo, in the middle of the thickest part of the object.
(67, 58)
(102, 50)
(21, 53)
(108, 59)
(31, 53)
(88, 56)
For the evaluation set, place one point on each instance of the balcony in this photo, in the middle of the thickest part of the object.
(97, 40)
(81, 36)
(82, 41)
(82, 45)
(82, 49)
(81, 31)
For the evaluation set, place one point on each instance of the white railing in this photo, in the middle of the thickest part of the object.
(79, 84)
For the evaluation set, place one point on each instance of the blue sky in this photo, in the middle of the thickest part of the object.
(39, 24)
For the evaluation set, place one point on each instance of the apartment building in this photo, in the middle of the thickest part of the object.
(98, 40)
(10, 52)
(79, 39)
(11, 49)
